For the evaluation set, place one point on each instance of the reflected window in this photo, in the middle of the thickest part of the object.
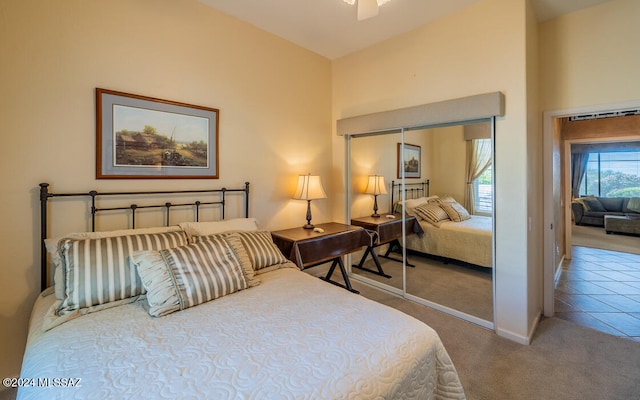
(483, 189)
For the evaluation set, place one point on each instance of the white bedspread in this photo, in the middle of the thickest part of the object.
(468, 241)
(292, 337)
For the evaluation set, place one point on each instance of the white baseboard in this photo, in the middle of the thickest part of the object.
(526, 340)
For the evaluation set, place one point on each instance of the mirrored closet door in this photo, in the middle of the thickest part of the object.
(428, 194)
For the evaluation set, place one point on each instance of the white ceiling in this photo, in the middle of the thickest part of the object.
(330, 27)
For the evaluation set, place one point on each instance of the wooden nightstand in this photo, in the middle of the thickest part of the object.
(307, 248)
(388, 230)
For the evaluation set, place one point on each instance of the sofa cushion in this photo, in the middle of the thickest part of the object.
(611, 203)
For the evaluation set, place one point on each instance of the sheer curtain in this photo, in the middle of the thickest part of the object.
(578, 169)
(478, 160)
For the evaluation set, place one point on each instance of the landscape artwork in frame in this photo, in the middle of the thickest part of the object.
(142, 137)
(409, 161)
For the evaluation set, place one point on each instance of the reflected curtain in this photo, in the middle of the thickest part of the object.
(578, 170)
(478, 160)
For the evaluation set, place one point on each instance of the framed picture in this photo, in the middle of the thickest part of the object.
(141, 137)
(409, 161)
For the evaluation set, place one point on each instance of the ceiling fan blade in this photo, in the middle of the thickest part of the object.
(367, 9)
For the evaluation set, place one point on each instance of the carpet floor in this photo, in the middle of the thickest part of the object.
(565, 361)
(458, 286)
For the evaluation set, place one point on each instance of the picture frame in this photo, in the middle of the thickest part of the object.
(409, 160)
(139, 137)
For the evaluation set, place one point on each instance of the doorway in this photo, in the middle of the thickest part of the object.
(557, 202)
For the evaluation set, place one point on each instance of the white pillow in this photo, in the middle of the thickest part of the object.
(213, 227)
(411, 204)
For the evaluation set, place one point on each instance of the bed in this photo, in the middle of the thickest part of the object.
(270, 331)
(448, 229)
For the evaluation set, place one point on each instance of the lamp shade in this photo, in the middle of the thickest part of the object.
(309, 188)
(376, 185)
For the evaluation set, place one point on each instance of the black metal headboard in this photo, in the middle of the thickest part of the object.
(411, 190)
(219, 198)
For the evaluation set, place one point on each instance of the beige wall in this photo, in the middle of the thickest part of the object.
(447, 160)
(274, 100)
(534, 173)
(442, 61)
(590, 57)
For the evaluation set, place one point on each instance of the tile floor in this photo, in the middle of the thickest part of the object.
(600, 289)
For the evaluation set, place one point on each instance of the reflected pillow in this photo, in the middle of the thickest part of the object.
(432, 213)
(455, 211)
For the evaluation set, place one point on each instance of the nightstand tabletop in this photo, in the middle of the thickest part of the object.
(388, 229)
(307, 248)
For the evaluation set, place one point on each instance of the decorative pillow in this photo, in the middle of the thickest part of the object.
(96, 271)
(446, 199)
(594, 205)
(240, 251)
(56, 262)
(213, 227)
(411, 204)
(634, 204)
(183, 277)
(259, 246)
(432, 213)
(455, 211)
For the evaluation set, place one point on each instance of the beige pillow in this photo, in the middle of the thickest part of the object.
(455, 211)
(212, 227)
(96, 271)
(411, 204)
(183, 277)
(432, 213)
(259, 245)
(51, 245)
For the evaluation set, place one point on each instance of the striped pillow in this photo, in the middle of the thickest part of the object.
(96, 271)
(455, 211)
(186, 276)
(432, 213)
(262, 251)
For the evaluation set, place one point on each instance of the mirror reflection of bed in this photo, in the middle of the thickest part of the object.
(451, 259)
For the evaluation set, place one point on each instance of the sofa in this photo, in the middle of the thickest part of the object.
(590, 210)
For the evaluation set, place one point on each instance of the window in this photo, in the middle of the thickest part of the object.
(612, 174)
(483, 188)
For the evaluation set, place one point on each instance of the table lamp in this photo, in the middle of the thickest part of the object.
(309, 188)
(375, 186)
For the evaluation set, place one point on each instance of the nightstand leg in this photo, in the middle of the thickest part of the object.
(338, 262)
(374, 256)
(395, 246)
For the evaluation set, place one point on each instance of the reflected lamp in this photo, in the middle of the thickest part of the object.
(309, 188)
(375, 186)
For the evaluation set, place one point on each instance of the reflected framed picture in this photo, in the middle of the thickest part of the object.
(140, 137)
(409, 161)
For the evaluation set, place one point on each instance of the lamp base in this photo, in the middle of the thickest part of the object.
(308, 226)
(375, 215)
